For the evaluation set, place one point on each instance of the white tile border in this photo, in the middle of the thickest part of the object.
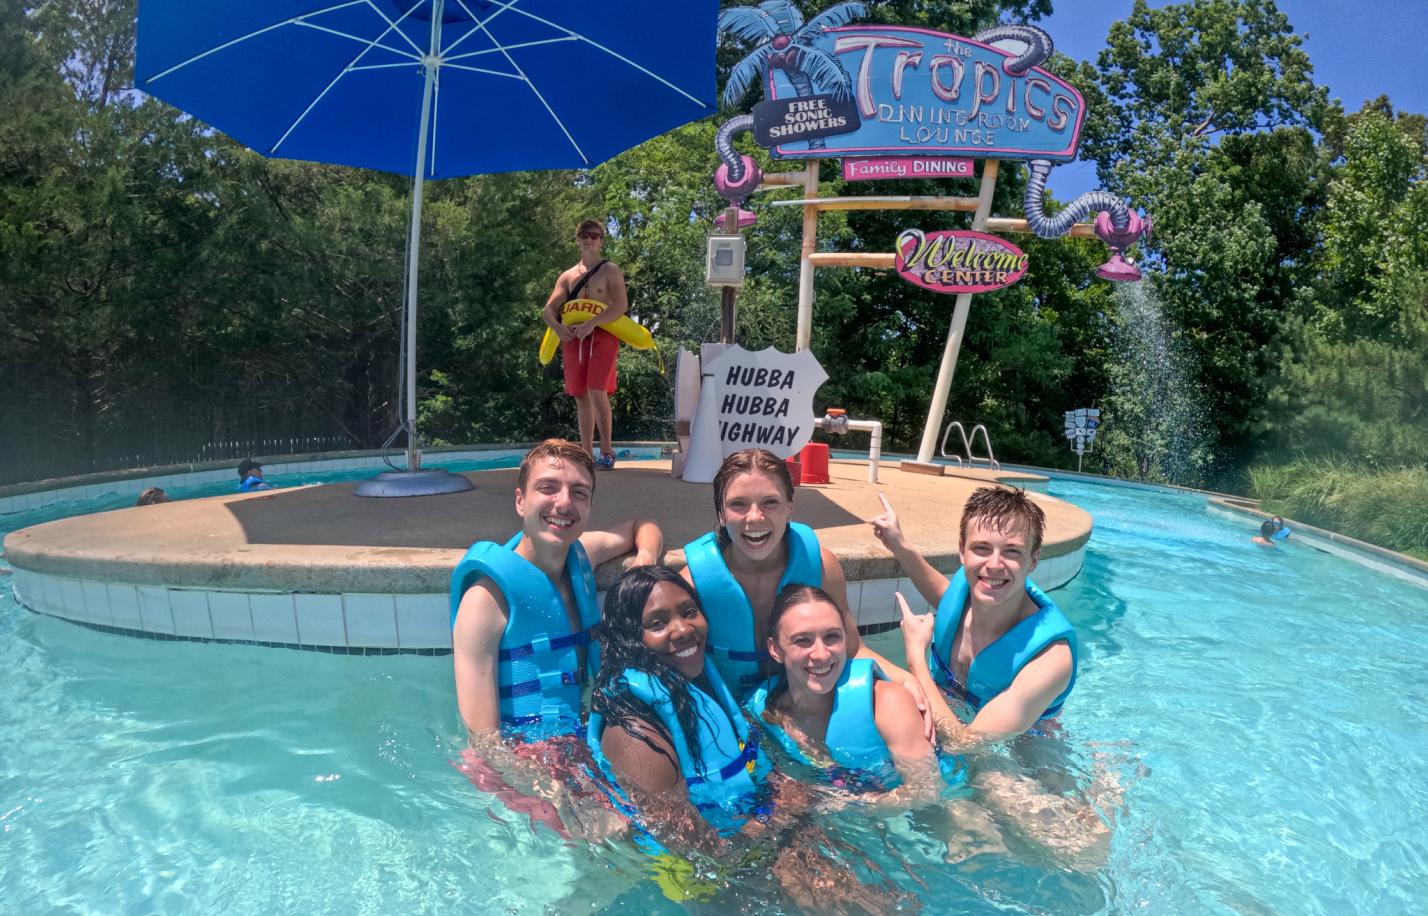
(353, 621)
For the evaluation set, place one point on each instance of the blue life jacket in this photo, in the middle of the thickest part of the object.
(996, 666)
(537, 667)
(1281, 533)
(852, 737)
(727, 608)
(251, 483)
(734, 766)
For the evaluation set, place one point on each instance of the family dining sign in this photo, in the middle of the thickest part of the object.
(958, 261)
(920, 92)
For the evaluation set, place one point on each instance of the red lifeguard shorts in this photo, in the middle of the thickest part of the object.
(590, 363)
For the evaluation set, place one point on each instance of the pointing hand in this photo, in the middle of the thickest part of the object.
(916, 629)
(886, 527)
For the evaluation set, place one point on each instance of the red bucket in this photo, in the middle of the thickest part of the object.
(814, 459)
(795, 470)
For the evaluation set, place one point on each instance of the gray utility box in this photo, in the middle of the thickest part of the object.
(724, 262)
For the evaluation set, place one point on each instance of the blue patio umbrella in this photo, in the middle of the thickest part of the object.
(463, 87)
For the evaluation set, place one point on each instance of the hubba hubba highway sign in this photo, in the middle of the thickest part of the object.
(958, 261)
(764, 399)
(930, 93)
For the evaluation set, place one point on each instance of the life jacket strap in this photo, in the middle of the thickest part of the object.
(961, 691)
(544, 645)
(741, 762)
(546, 681)
(548, 715)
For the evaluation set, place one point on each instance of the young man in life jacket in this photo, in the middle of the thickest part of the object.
(995, 641)
(521, 614)
(588, 350)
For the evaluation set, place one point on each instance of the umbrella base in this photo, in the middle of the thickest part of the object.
(423, 482)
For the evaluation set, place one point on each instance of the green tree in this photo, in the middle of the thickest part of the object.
(1210, 102)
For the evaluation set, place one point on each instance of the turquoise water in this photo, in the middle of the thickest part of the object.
(1263, 713)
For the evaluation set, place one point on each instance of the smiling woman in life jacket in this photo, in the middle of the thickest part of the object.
(840, 715)
(755, 551)
(665, 729)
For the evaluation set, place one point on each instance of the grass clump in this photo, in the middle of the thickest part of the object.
(1384, 507)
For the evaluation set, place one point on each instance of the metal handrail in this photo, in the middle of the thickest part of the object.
(967, 444)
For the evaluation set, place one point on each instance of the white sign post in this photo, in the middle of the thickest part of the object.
(1081, 425)
(753, 400)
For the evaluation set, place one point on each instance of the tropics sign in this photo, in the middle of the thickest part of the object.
(931, 93)
(958, 261)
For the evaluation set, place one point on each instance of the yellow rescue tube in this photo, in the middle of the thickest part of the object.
(577, 311)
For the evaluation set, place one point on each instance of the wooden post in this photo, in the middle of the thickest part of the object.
(959, 324)
(805, 263)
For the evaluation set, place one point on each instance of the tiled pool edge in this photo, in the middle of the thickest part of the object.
(354, 623)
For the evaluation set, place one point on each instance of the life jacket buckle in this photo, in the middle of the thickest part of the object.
(540, 644)
(550, 713)
(550, 680)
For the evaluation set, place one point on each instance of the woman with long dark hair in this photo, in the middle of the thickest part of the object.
(663, 726)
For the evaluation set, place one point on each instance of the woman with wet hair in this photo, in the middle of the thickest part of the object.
(755, 551)
(837, 714)
(663, 726)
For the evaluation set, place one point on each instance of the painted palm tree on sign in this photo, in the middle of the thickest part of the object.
(785, 42)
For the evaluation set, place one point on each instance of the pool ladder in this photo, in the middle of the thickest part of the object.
(967, 444)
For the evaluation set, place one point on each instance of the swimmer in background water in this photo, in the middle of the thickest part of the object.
(250, 476)
(1266, 535)
(840, 715)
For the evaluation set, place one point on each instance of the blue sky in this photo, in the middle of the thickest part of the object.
(1360, 50)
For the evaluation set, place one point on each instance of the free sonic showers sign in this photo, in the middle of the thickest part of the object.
(919, 92)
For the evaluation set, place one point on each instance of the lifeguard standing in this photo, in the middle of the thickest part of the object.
(588, 349)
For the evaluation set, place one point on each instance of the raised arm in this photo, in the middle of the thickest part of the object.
(930, 583)
(475, 642)
(638, 534)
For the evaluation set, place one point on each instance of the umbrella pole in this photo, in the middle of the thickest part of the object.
(414, 248)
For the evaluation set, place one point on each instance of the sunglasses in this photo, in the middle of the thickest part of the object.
(591, 236)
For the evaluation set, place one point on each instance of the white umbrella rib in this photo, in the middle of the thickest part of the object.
(243, 38)
(595, 44)
(512, 61)
(352, 65)
(524, 44)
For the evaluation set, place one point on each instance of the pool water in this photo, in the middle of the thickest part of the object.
(1264, 714)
